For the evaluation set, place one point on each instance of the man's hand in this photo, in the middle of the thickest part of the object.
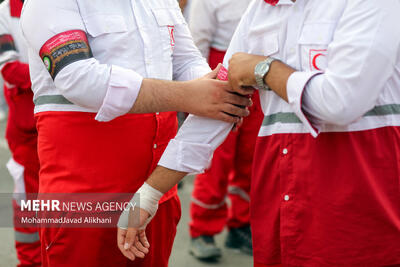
(241, 71)
(132, 242)
(216, 99)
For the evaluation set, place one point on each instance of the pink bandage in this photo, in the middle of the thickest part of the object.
(222, 74)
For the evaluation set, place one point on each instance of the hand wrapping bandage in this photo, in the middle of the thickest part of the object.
(148, 200)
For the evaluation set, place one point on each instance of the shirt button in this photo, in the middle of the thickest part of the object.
(285, 151)
(157, 113)
(155, 146)
(286, 198)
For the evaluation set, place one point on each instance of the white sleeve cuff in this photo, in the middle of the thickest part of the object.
(195, 72)
(121, 94)
(186, 157)
(296, 85)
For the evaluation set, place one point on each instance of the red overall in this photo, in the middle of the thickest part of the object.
(230, 173)
(21, 136)
(79, 154)
(333, 200)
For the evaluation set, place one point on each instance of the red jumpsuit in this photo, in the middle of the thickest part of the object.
(21, 136)
(230, 173)
(104, 157)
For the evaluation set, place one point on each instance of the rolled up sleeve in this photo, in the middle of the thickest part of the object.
(295, 89)
(192, 149)
(122, 92)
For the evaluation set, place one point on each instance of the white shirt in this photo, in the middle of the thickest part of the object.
(130, 40)
(213, 23)
(347, 54)
(11, 26)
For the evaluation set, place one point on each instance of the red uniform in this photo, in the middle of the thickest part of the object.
(230, 173)
(83, 162)
(21, 131)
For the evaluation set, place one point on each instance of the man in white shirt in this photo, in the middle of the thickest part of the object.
(21, 131)
(91, 63)
(325, 190)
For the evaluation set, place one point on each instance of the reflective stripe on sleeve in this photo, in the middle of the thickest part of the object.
(290, 117)
(26, 237)
(234, 190)
(51, 99)
(208, 206)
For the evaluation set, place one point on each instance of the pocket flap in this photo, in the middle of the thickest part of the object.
(321, 33)
(101, 24)
(167, 16)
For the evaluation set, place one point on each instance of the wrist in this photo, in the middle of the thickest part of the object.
(184, 93)
(149, 198)
(261, 71)
(146, 198)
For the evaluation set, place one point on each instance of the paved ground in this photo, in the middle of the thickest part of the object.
(180, 256)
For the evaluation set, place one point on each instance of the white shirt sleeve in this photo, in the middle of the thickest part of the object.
(192, 148)
(109, 89)
(203, 24)
(6, 55)
(360, 62)
(188, 63)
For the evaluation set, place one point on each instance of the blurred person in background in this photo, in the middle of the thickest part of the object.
(325, 185)
(94, 64)
(21, 131)
(212, 24)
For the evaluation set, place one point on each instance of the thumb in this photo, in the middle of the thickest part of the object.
(213, 74)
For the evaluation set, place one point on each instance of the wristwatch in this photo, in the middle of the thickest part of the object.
(261, 70)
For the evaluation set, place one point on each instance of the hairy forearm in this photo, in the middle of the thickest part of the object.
(160, 96)
(164, 179)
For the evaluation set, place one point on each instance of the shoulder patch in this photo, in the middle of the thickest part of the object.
(64, 49)
(6, 43)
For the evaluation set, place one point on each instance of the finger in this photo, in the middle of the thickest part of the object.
(143, 239)
(222, 116)
(128, 254)
(130, 238)
(140, 246)
(243, 90)
(238, 100)
(136, 251)
(235, 110)
(236, 127)
(214, 73)
(248, 90)
(121, 233)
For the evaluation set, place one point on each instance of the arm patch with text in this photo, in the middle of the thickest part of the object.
(6, 43)
(64, 49)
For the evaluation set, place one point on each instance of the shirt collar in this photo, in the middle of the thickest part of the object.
(16, 7)
(279, 2)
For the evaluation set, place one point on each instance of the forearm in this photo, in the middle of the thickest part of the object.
(277, 78)
(161, 96)
(164, 179)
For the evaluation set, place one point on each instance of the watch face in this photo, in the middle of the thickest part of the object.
(260, 71)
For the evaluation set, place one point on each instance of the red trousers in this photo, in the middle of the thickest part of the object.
(230, 173)
(21, 136)
(78, 154)
(97, 246)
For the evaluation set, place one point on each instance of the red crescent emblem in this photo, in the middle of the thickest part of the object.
(272, 2)
(314, 61)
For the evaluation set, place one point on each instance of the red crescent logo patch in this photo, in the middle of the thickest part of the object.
(317, 59)
(171, 30)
